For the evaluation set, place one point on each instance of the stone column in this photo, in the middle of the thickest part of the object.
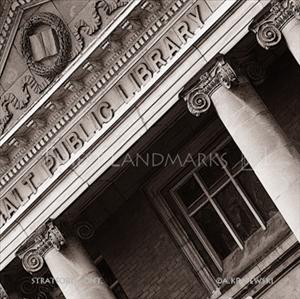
(263, 143)
(3, 294)
(281, 19)
(68, 262)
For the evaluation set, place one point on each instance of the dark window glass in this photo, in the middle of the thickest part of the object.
(231, 154)
(256, 192)
(211, 172)
(119, 292)
(215, 230)
(106, 272)
(189, 191)
(237, 211)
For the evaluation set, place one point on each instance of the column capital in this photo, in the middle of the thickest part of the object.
(269, 24)
(3, 294)
(32, 252)
(216, 74)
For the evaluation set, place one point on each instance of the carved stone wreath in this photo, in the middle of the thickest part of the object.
(64, 41)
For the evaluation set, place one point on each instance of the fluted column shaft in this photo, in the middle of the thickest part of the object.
(268, 150)
(68, 262)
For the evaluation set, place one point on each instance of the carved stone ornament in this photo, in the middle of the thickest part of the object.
(3, 294)
(85, 230)
(268, 26)
(27, 289)
(64, 44)
(110, 6)
(10, 100)
(44, 239)
(198, 99)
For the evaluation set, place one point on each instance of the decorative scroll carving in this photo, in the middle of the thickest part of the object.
(34, 290)
(3, 294)
(29, 81)
(198, 99)
(110, 6)
(82, 26)
(4, 157)
(33, 251)
(85, 230)
(5, 113)
(64, 45)
(63, 100)
(254, 71)
(268, 27)
(295, 6)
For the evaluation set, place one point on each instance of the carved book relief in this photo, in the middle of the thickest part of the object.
(43, 44)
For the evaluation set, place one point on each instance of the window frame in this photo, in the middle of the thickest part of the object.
(228, 178)
(116, 283)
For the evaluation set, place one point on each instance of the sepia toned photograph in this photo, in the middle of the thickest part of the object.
(149, 149)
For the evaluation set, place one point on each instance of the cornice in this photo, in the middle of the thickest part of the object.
(82, 89)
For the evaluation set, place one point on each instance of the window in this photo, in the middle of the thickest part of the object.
(110, 278)
(223, 202)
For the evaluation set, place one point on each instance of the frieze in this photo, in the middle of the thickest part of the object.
(61, 102)
(41, 72)
(100, 113)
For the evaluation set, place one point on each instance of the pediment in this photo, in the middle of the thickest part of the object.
(38, 40)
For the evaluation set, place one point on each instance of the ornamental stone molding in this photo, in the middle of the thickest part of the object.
(3, 294)
(198, 98)
(268, 25)
(85, 230)
(98, 70)
(32, 253)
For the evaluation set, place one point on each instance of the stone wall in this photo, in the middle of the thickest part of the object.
(143, 256)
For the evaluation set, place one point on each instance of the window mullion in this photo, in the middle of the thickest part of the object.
(221, 215)
(243, 195)
(199, 234)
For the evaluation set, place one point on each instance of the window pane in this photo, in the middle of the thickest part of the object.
(211, 172)
(106, 272)
(189, 191)
(257, 194)
(237, 211)
(215, 230)
(231, 154)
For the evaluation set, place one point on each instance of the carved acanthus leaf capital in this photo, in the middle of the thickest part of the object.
(33, 251)
(198, 99)
(3, 294)
(268, 25)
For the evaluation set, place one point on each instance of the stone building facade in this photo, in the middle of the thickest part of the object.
(149, 149)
